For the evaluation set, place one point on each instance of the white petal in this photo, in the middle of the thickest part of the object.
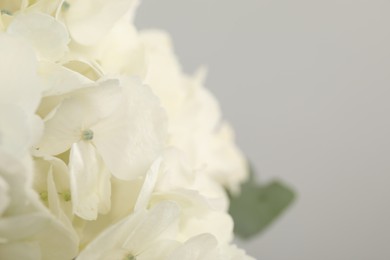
(160, 223)
(23, 226)
(202, 247)
(21, 250)
(17, 173)
(54, 202)
(90, 20)
(15, 135)
(57, 186)
(110, 241)
(79, 112)
(148, 186)
(232, 252)
(134, 234)
(20, 84)
(132, 137)
(120, 52)
(159, 250)
(219, 224)
(89, 181)
(59, 79)
(164, 74)
(48, 36)
(63, 129)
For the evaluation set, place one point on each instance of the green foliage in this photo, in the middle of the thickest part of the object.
(257, 206)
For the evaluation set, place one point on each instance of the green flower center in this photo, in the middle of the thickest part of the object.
(5, 11)
(44, 195)
(65, 6)
(130, 257)
(87, 135)
(66, 195)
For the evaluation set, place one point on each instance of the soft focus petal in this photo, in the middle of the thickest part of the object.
(202, 247)
(22, 250)
(48, 36)
(164, 74)
(18, 58)
(121, 52)
(159, 250)
(90, 20)
(16, 134)
(232, 252)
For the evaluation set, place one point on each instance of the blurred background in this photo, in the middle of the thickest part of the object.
(306, 84)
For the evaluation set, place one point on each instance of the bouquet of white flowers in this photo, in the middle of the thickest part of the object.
(107, 150)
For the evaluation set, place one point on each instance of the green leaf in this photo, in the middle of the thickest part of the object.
(258, 206)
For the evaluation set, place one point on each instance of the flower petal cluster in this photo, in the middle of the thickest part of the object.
(107, 149)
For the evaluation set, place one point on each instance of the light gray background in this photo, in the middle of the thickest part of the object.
(306, 85)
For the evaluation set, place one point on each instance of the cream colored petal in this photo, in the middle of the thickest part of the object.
(56, 241)
(88, 181)
(202, 247)
(160, 223)
(132, 137)
(219, 224)
(135, 233)
(110, 242)
(17, 173)
(148, 185)
(63, 129)
(57, 186)
(90, 20)
(15, 135)
(48, 36)
(160, 250)
(23, 226)
(18, 58)
(123, 198)
(21, 250)
(232, 252)
(59, 80)
(78, 113)
(121, 52)
(164, 74)
(54, 202)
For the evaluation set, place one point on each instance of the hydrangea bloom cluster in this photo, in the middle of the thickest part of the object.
(107, 150)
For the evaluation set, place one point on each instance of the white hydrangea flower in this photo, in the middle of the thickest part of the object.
(120, 170)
